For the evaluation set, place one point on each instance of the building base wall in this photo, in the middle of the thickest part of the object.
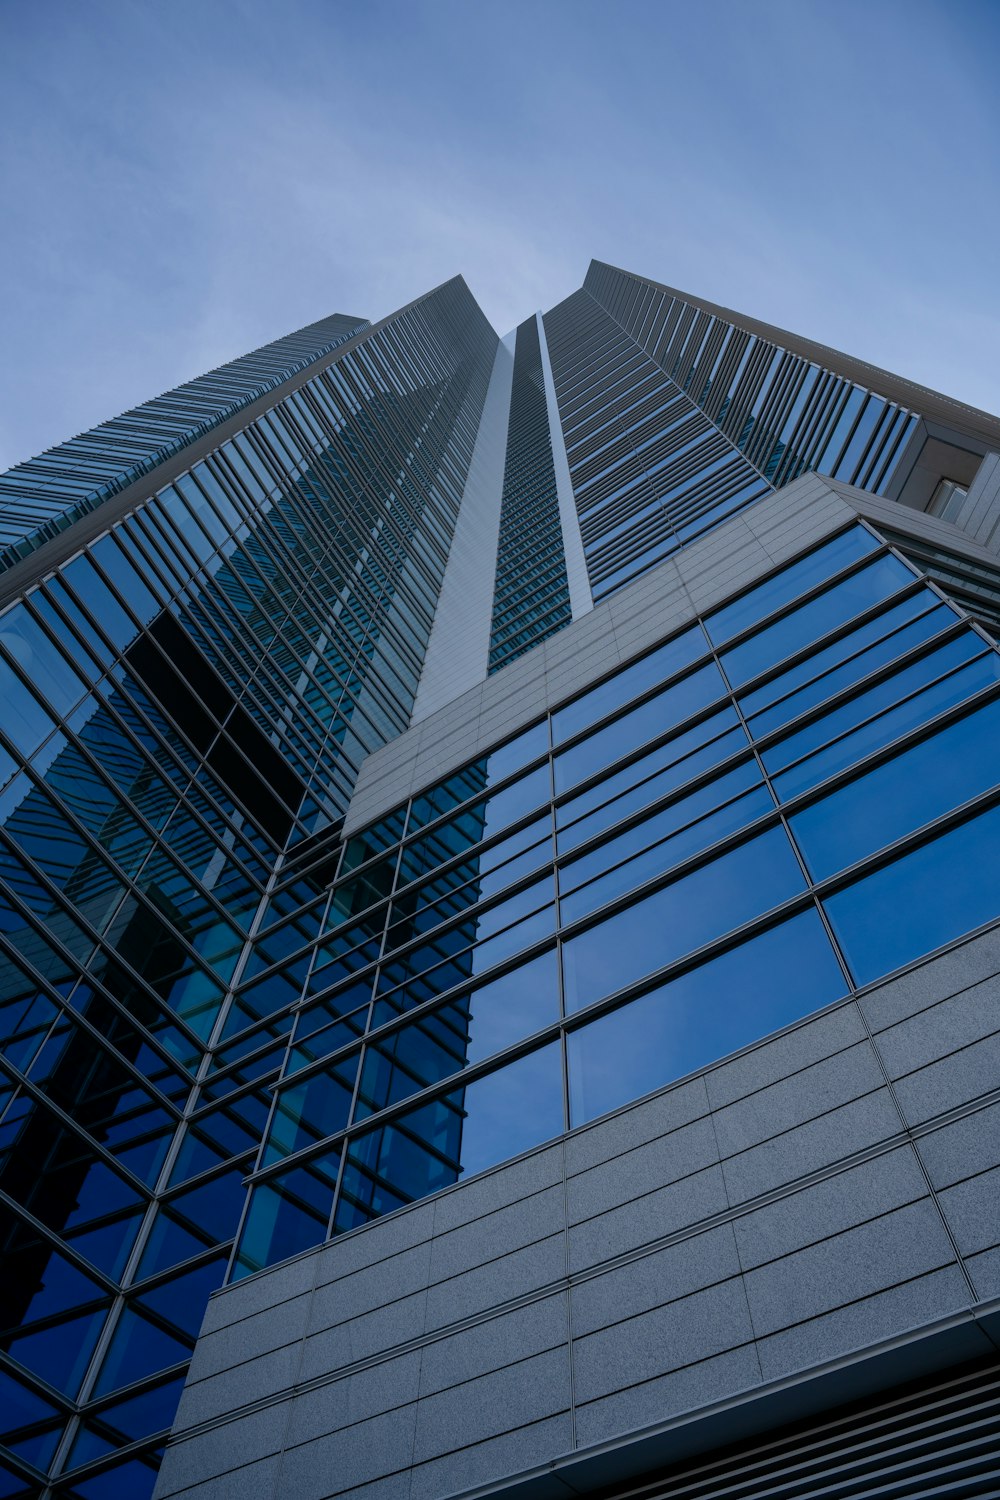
(823, 1202)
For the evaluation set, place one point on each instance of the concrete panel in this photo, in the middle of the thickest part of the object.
(859, 1262)
(351, 1457)
(862, 1323)
(716, 1379)
(811, 1214)
(494, 1343)
(781, 1106)
(811, 1147)
(497, 1458)
(515, 1275)
(655, 1279)
(492, 1404)
(785, 1055)
(681, 1333)
(636, 1173)
(682, 1205)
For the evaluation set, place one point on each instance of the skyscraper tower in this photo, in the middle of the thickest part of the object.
(565, 762)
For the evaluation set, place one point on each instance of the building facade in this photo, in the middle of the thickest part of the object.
(500, 878)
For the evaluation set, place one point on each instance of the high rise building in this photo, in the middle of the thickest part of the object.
(501, 886)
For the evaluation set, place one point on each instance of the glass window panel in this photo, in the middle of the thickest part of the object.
(836, 676)
(463, 1132)
(308, 1111)
(490, 769)
(649, 778)
(887, 726)
(464, 1031)
(26, 643)
(139, 1347)
(897, 797)
(632, 729)
(664, 856)
(789, 584)
(629, 683)
(917, 903)
(692, 910)
(835, 606)
(287, 1213)
(723, 1005)
(60, 1353)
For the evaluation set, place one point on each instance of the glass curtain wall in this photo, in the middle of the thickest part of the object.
(789, 799)
(186, 701)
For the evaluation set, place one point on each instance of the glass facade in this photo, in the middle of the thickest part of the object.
(675, 419)
(43, 496)
(187, 700)
(700, 850)
(231, 1032)
(531, 597)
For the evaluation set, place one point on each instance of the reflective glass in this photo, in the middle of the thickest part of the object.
(649, 778)
(935, 893)
(787, 585)
(714, 1009)
(834, 607)
(634, 728)
(627, 684)
(903, 793)
(684, 830)
(692, 910)
(889, 720)
(829, 672)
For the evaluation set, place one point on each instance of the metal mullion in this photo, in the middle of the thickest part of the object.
(64, 1009)
(80, 1133)
(99, 941)
(881, 674)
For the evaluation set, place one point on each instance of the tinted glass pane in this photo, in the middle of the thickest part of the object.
(888, 726)
(650, 777)
(917, 903)
(628, 684)
(722, 1005)
(828, 610)
(288, 1213)
(931, 778)
(788, 584)
(692, 910)
(829, 677)
(634, 728)
(672, 851)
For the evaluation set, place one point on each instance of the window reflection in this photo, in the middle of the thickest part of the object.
(722, 1005)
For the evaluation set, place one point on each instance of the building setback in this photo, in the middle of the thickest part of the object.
(501, 903)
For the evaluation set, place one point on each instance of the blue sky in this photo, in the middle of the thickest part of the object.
(184, 181)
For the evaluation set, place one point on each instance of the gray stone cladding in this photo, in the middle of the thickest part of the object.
(826, 1196)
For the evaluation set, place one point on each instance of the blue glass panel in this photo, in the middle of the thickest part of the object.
(679, 846)
(511, 1110)
(789, 584)
(138, 1347)
(897, 797)
(831, 675)
(650, 777)
(463, 1132)
(317, 1107)
(632, 729)
(690, 911)
(888, 726)
(629, 683)
(835, 606)
(743, 994)
(287, 1213)
(932, 895)
(495, 1015)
